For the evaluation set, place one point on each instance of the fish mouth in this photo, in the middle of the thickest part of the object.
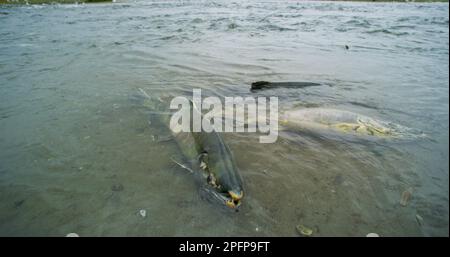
(234, 199)
(231, 199)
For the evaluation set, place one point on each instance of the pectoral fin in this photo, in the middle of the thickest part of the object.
(183, 164)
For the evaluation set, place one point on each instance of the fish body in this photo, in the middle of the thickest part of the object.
(260, 85)
(211, 156)
(338, 120)
(205, 154)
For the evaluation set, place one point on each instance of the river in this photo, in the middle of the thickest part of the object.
(79, 154)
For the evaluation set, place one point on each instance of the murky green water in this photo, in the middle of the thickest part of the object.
(78, 154)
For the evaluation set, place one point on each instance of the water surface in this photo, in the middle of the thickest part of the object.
(78, 153)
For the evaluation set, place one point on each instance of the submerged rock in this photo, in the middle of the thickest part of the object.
(406, 195)
(304, 230)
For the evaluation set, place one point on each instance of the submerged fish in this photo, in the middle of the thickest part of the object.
(207, 155)
(323, 120)
(258, 85)
(345, 122)
(341, 121)
(214, 159)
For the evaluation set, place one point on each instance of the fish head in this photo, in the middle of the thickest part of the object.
(227, 199)
(234, 198)
(223, 176)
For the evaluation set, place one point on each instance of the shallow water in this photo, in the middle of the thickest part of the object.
(78, 153)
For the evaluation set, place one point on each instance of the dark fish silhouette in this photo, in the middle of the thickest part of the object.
(260, 85)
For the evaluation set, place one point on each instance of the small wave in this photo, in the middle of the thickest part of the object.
(290, 15)
(296, 7)
(402, 27)
(408, 19)
(273, 27)
(232, 25)
(342, 29)
(137, 18)
(437, 21)
(120, 6)
(168, 37)
(359, 23)
(365, 105)
(197, 20)
(386, 31)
